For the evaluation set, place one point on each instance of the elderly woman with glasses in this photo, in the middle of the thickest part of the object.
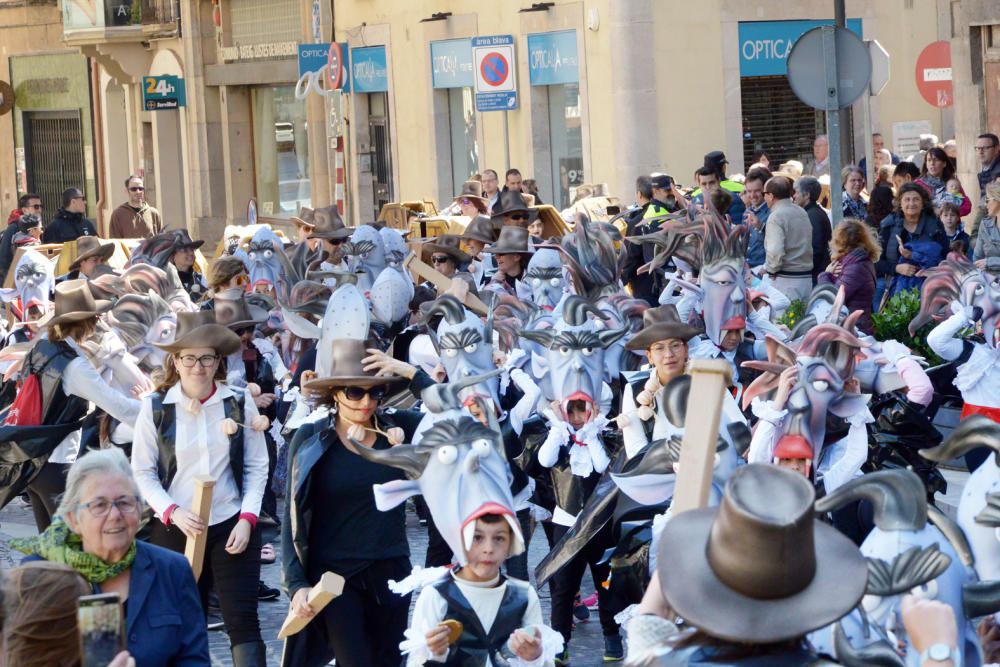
(94, 534)
(331, 521)
(196, 425)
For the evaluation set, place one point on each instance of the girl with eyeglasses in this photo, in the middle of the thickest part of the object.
(331, 522)
(196, 425)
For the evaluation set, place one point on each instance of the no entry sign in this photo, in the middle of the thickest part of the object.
(496, 83)
(934, 74)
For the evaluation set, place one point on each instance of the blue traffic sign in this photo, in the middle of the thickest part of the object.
(495, 69)
(496, 83)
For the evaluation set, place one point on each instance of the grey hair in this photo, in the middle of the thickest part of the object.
(846, 172)
(104, 461)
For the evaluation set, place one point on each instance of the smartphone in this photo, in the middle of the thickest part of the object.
(102, 628)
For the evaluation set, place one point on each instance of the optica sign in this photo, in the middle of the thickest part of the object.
(765, 45)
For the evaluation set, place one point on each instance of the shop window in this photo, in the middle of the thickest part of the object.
(281, 152)
(462, 129)
(566, 141)
(775, 120)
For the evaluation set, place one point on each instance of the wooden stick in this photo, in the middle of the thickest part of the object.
(709, 381)
(424, 271)
(330, 586)
(194, 550)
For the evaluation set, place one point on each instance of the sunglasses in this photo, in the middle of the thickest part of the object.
(134, 189)
(37, 207)
(334, 242)
(518, 216)
(465, 201)
(358, 393)
(440, 260)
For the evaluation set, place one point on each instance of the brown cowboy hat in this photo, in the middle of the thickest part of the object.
(305, 218)
(473, 190)
(182, 239)
(448, 244)
(327, 224)
(480, 229)
(347, 370)
(234, 311)
(91, 246)
(74, 302)
(658, 324)
(759, 568)
(200, 329)
(512, 240)
(512, 202)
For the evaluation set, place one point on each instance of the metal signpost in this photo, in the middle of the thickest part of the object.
(846, 66)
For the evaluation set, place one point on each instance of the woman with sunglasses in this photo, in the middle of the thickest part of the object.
(197, 425)
(331, 522)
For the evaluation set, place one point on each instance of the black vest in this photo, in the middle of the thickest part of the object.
(48, 362)
(475, 644)
(165, 420)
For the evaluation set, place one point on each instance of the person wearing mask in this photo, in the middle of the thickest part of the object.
(28, 204)
(912, 222)
(788, 241)
(853, 181)
(937, 171)
(491, 188)
(135, 219)
(806, 193)
(819, 165)
(854, 250)
(69, 222)
(755, 216)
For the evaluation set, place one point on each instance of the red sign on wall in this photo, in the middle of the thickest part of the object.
(934, 74)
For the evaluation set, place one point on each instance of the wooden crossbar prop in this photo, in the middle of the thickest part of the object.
(330, 586)
(194, 550)
(424, 271)
(710, 379)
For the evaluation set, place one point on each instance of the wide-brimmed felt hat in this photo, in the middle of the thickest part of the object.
(473, 190)
(182, 239)
(347, 370)
(759, 568)
(327, 224)
(451, 245)
(234, 311)
(305, 218)
(200, 329)
(91, 246)
(480, 229)
(512, 240)
(74, 302)
(661, 323)
(510, 202)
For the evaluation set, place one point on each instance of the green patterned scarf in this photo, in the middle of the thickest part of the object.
(58, 544)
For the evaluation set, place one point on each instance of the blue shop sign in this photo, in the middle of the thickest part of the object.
(765, 45)
(552, 58)
(451, 64)
(369, 73)
(312, 57)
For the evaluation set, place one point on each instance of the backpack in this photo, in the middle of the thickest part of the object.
(26, 410)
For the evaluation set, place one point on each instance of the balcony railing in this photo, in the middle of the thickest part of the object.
(119, 20)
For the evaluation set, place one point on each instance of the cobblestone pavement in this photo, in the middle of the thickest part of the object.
(587, 647)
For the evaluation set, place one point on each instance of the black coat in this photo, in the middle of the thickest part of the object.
(928, 229)
(66, 226)
(822, 233)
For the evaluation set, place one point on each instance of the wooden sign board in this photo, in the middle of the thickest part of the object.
(709, 382)
(330, 586)
(553, 225)
(194, 550)
(396, 214)
(118, 261)
(427, 228)
(422, 271)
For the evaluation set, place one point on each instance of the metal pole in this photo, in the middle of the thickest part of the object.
(866, 110)
(833, 122)
(506, 140)
(846, 143)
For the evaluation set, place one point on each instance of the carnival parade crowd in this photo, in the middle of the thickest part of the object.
(512, 377)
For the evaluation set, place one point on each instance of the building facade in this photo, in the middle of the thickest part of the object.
(606, 90)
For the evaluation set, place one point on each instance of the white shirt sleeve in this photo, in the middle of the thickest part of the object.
(254, 460)
(853, 452)
(942, 339)
(521, 412)
(633, 433)
(145, 461)
(428, 612)
(81, 379)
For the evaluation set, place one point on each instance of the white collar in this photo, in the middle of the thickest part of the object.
(176, 395)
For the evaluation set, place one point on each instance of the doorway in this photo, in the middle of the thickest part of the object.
(381, 153)
(53, 156)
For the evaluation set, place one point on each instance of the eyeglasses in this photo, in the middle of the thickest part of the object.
(358, 393)
(986, 148)
(439, 259)
(102, 506)
(136, 189)
(206, 361)
(518, 216)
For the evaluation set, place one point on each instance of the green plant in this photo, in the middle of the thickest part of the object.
(893, 321)
(793, 313)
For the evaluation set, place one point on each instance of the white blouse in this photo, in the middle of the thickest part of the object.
(202, 448)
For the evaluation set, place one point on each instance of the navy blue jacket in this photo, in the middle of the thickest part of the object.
(165, 625)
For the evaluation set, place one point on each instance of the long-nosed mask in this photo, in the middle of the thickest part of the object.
(958, 279)
(458, 466)
(724, 300)
(365, 255)
(33, 281)
(574, 354)
(266, 269)
(465, 345)
(543, 283)
(144, 321)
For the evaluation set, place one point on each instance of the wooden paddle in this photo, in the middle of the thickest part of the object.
(424, 271)
(194, 550)
(330, 586)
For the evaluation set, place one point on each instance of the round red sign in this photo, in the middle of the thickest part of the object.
(934, 74)
(334, 66)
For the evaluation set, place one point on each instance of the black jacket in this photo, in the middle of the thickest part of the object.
(822, 233)
(7, 248)
(66, 226)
